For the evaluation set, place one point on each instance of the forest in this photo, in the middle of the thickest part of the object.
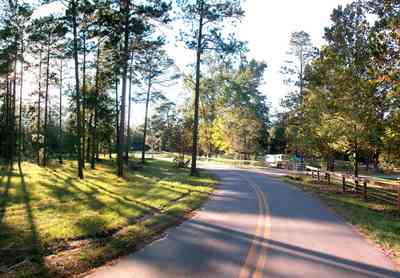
(69, 79)
(345, 104)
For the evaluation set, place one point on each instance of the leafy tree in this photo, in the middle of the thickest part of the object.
(134, 14)
(300, 53)
(14, 19)
(153, 67)
(49, 32)
(206, 19)
(348, 38)
(240, 127)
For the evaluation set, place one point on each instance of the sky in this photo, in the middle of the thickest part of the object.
(267, 26)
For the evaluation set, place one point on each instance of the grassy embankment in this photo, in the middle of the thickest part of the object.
(219, 160)
(53, 224)
(379, 222)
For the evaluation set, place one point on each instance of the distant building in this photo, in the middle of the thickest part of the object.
(277, 160)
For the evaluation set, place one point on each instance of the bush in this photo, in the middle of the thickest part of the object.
(295, 178)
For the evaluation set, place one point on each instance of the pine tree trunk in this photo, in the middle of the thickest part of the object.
(89, 139)
(13, 118)
(84, 98)
(7, 117)
(94, 135)
(78, 99)
(46, 101)
(193, 170)
(109, 149)
(60, 139)
(128, 144)
(356, 161)
(20, 145)
(8, 124)
(38, 112)
(117, 114)
(125, 55)
(145, 120)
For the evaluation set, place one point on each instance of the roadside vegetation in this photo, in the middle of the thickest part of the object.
(54, 224)
(343, 102)
(223, 160)
(377, 220)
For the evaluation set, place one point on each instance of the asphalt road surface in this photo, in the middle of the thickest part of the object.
(257, 226)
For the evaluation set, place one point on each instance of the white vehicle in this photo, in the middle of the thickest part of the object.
(276, 160)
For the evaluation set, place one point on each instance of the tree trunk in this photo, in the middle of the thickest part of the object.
(128, 144)
(60, 139)
(46, 101)
(84, 98)
(8, 116)
(117, 113)
(146, 120)
(89, 139)
(356, 162)
(109, 149)
(39, 100)
(376, 160)
(193, 170)
(126, 6)
(94, 135)
(13, 117)
(78, 99)
(20, 103)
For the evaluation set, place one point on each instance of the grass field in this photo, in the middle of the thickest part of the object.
(377, 221)
(218, 160)
(53, 223)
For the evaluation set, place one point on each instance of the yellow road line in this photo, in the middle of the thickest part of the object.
(262, 231)
(246, 269)
(267, 227)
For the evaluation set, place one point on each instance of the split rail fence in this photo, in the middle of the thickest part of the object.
(387, 192)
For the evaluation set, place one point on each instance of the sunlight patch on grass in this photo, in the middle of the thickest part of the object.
(43, 208)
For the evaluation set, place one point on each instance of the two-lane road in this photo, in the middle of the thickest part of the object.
(257, 226)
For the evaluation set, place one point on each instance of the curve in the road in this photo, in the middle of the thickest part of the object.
(239, 234)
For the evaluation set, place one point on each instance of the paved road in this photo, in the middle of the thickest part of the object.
(257, 226)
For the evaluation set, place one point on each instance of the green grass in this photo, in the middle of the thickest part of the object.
(218, 160)
(55, 223)
(236, 162)
(377, 221)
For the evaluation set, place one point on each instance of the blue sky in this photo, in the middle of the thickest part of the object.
(267, 26)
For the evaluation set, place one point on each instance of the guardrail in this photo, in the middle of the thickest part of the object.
(370, 188)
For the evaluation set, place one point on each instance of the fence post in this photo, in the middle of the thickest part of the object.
(365, 190)
(398, 197)
(356, 184)
(318, 176)
(343, 183)
(329, 178)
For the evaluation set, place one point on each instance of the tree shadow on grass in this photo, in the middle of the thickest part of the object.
(96, 189)
(4, 196)
(93, 226)
(90, 198)
(36, 251)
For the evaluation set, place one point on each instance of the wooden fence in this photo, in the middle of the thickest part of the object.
(368, 187)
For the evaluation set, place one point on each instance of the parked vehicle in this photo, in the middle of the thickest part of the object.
(277, 160)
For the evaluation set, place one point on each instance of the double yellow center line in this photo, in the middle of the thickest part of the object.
(256, 259)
